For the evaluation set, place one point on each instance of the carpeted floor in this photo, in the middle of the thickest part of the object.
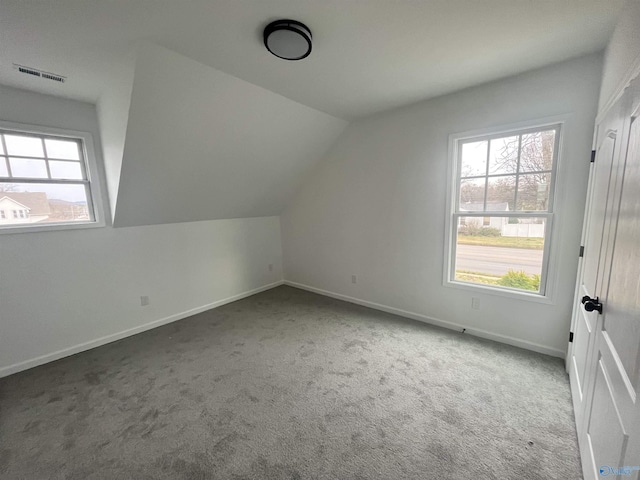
(291, 385)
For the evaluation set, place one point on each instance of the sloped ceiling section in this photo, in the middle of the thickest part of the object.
(113, 113)
(204, 145)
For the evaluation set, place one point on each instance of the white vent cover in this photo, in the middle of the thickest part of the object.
(39, 73)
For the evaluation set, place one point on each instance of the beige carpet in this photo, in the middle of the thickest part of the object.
(291, 385)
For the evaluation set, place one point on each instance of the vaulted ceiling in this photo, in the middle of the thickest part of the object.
(202, 145)
(201, 122)
(369, 55)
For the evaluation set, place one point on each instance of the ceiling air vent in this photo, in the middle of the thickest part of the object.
(39, 73)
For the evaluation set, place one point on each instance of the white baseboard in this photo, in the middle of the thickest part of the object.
(516, 342)
(81, 347)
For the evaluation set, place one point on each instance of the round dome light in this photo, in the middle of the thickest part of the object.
(288, 39)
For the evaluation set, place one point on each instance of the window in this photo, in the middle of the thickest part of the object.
(45, 179)
(3, 215)
(502, 209)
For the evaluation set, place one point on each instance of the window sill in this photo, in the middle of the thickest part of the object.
(501, 292)
(9, 229)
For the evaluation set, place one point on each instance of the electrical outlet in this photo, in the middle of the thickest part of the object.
(475, 303)
(144, 301)
(271, 267)
(354, 279)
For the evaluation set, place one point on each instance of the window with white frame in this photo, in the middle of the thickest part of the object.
(502, 209)
(45, 179)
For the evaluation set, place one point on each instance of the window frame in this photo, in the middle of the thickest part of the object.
(90, 168)
(549, 272)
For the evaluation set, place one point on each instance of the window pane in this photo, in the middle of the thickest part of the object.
(537, 151)
(472, 194)
(501, 193)
(28, 167)
(24, 146)
(533, 191)
(503, 155)
(43, 203)
(65, 170)
(62, 149)
(505, 253)
(3, 167)
(474, 159)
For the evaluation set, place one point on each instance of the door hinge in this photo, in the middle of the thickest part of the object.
(593, 156)
(570, 337)
(581, 251)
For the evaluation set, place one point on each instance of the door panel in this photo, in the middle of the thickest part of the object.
(583, 329)
(606, 432)
(599, 204)
(622, 323)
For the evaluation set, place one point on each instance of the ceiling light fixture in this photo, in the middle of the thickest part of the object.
(288, 39)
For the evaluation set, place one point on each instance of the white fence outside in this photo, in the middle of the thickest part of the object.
(523, 230)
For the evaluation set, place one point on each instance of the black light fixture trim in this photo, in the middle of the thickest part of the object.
(293, 26)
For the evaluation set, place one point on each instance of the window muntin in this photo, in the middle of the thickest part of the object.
(503, 209)
(44, 180)
(502, 168)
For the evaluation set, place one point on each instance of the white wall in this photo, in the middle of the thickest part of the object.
(64, 291)
(113, 115)
(375, 206)
(204, 145)
(622, 54)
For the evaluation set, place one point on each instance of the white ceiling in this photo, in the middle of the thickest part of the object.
(369, 55)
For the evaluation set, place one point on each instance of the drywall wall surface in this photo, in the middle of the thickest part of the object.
(113, 115)
(65, 291)
(375, 206)
(204, 145)
(59, 290)
(622, 53)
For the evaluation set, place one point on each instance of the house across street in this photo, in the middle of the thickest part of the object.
(34, 207)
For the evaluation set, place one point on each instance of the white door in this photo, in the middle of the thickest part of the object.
(606, 384)
(601, 185)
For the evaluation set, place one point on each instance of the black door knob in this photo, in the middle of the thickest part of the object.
(591, 304)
